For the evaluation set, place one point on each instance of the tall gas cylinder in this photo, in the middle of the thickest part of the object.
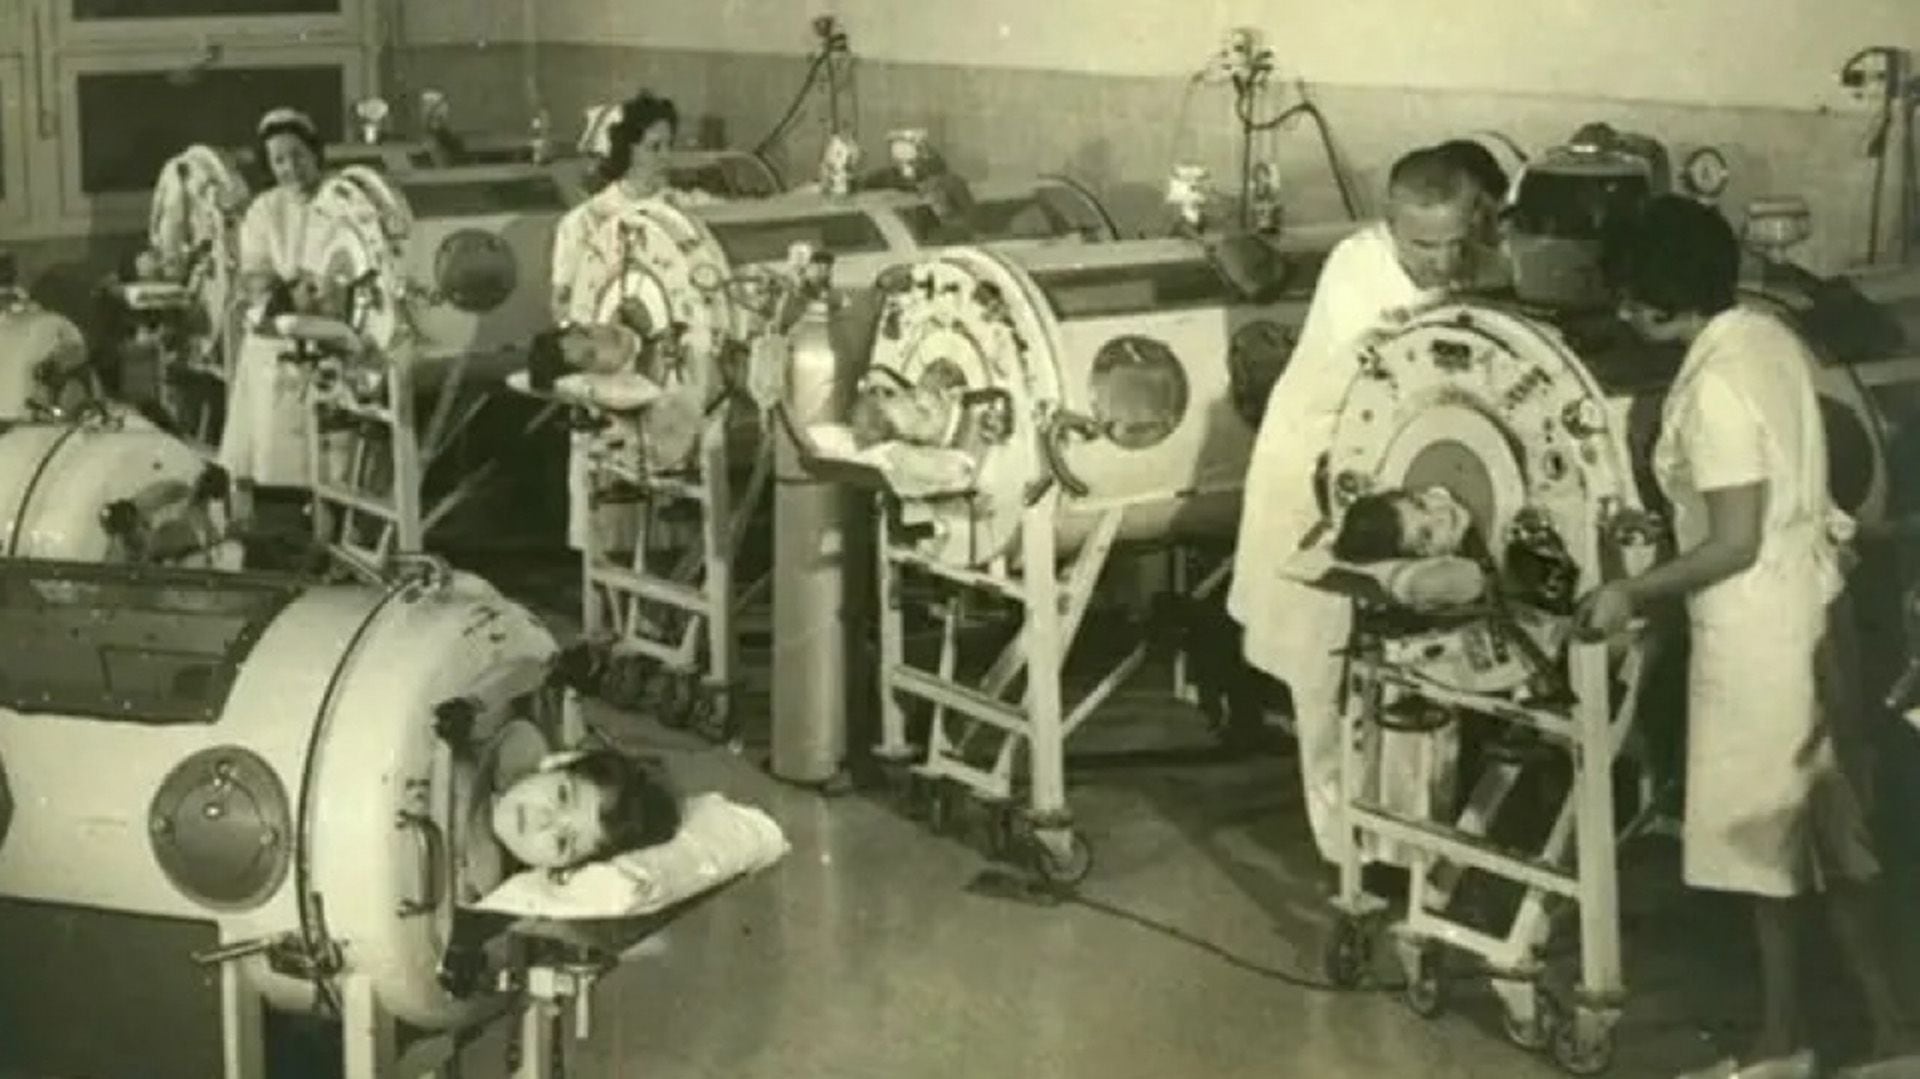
(811, 542)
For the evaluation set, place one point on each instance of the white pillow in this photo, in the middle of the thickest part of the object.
(718, 841)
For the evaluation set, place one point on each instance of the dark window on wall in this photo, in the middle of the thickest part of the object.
(132, 122)
(92, 10)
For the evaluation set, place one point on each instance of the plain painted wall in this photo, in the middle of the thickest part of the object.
(1777, 53)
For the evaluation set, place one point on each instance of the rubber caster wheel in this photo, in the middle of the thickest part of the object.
(917, 797)
(624, 683)
(705, 715)
(1580, 1050)
(1534, 1033)
(895, 784)
(1063, 868)
(1425, 993)
(1000, 832)
(1349, 953)
(671, 704)
(940, 808)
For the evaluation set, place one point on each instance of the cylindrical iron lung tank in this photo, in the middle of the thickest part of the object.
(254, 765)
(102, 490)
(1131, 374)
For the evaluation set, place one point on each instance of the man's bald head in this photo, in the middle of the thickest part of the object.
(1432, 208)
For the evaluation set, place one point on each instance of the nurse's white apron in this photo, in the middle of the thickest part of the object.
(1769, 811)
(265, 437)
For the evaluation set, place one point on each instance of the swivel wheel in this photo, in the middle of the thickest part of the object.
(667, 695)
(1063, 858)
(709, 716)
(917, 796)
(1425, 993)
(1349, 953)
(999, 830)
(624, 683)
(941, 810)
(1584, 1045)
(1532, 1032)
(894, 779)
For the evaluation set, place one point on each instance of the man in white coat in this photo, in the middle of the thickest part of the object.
(1293, 632)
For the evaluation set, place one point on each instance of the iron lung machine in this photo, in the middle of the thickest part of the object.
(44, 373)
(1086, 396)
(244, 785)
(110, 489)
(425, 314)
(176, 310)
(1499, 410)
(709, 288)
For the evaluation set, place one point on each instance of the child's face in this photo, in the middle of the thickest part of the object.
(1432, 522)
(550, 819)
(599, 349)
(919, 417)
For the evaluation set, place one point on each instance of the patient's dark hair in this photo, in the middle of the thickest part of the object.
(1370, 532)
(638, 807)
(546, 361)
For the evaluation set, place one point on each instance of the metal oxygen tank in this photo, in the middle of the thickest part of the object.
(810, 523)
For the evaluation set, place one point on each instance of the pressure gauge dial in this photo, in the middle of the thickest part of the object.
(1706, 172)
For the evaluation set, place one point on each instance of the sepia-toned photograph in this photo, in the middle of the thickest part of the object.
(1027, 539)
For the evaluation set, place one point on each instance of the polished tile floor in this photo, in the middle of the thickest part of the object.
(878, 950)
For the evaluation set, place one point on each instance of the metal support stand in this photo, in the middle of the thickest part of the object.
(967, 716)
(675, 629)
(1593, 730)
(370, 459)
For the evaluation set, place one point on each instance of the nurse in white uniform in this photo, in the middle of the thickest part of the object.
(638, 138)
(1742, 457)
(1424, 248)
(633, 142)
(264, 445)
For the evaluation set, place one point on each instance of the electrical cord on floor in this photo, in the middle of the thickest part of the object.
(1692, 1022)
(1218, 951)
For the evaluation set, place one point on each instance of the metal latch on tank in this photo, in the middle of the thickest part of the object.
(288, 954)
(1060, 427)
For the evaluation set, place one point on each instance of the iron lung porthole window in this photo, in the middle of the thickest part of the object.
(475, 271)
(1139, 391)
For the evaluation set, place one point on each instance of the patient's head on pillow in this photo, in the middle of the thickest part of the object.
(582, 808)
(1396, 524)
(890, 410)
(596, 349)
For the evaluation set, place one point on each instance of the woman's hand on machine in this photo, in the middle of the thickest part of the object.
(1604, 612)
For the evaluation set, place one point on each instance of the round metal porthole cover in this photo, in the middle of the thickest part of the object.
(475, 270)
(1139, 391)
(221, 828)
(1256, 358)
